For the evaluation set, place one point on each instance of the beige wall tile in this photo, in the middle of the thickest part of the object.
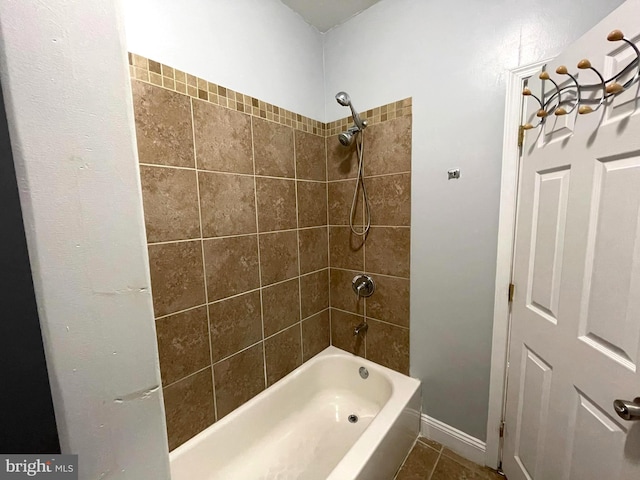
(388, 147)
(228, 204)
(170, 203)
(312, 204)
(183, 346)
(340, 196)
(231, 266)
(311, 161)
(278, 256)
(283, 353)
(342, 294)
(163, 126)
(388, 345)
(345, 249)
(314, 249)
(236, 323)
(388, 251)
(342, 325)
(177, 277)
(276, 204)
(238, 379)
(281, 303)
(155, 79)
(223, 138)
(390, 301)
(188, 407)
(315, 334)
(273, 149)
(390, 198)
(342, 162)
(314, 292)
(155, 67)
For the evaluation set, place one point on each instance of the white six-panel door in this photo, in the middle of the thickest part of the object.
(575, 331)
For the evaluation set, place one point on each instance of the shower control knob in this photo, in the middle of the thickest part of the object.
(363, 285)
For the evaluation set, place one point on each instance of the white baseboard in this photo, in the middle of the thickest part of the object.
(462, 443)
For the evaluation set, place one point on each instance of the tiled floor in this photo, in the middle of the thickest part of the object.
(429, 460)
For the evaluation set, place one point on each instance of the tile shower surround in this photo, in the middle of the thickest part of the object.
(246, 207)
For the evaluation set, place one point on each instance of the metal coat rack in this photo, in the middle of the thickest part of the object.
(560, 106)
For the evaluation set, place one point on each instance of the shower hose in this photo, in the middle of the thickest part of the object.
(360, 181)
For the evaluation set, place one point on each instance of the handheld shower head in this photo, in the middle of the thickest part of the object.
(343, 99)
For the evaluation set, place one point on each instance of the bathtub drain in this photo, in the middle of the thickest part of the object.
(353, 418)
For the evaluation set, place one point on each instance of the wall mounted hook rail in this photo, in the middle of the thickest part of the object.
(559, 104)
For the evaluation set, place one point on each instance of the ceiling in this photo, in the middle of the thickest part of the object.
(326, 14)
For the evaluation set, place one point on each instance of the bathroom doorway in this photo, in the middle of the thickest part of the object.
(574, 336)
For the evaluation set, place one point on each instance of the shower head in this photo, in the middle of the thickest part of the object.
(346, 138)
(343, 99)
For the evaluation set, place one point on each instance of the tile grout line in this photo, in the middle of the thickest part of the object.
(373, 226)
(169, 242)
(374, 319)
(377, 175)
(186, 376)
(435, 465)
(295, 174)
(158, 165)
(364, 242)
(230, 297)
(372, 273)
(255, 194)
(314, 314)
(406, 458)
(326, 177)
(217, 362)
(162, 317)
(222, 237)
(387, 323)
(204, 263)
(238, 174)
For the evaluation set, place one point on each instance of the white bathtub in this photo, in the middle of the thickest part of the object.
(299, 428)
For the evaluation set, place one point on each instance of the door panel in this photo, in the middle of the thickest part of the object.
(575, 328)
(532, 412)
(609, 321)
(550, 209)
(597, 445)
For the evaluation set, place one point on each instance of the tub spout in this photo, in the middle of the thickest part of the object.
(363, 327)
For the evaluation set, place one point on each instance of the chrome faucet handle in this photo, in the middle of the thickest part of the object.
(363, 285)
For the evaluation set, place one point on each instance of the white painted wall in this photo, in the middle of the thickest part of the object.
(65, 82)
(257, 47)
(451, 57)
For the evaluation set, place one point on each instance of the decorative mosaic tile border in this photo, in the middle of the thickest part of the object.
(156, 73)
(381, 114)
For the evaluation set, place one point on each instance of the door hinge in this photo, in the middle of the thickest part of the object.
(512, 288)
(501, 429)
(520, 135)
